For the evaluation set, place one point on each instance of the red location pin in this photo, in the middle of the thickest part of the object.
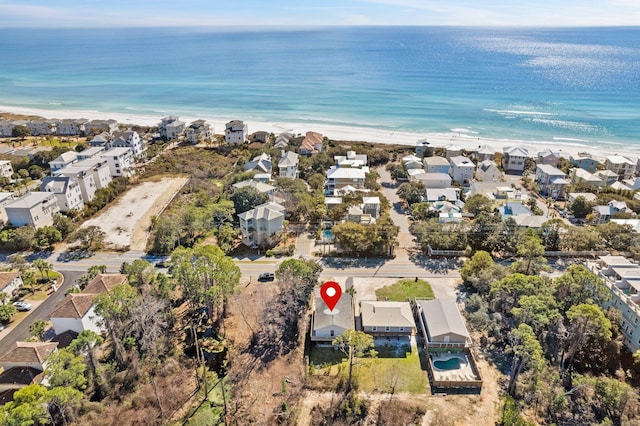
(330, 293)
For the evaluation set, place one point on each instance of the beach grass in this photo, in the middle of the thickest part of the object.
(406, 289)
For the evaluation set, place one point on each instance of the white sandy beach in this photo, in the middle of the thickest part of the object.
(461, 137)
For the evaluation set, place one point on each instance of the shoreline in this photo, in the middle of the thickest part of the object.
(462, 137)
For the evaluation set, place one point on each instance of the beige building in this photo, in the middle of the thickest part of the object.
(260, 225)
(513, 158)
(624, 167)
(35, 209)
(388, 319)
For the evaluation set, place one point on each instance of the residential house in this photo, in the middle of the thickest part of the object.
(634, 224)
(411, 162)
(588, 196)
(485, 152)
(357, 215)
(583, 177)
(513, 158)
(101, 126)
(371, 206)
(261, 164)
(532, 222)
(422, 147)
(328, 324)
(84, 178)
(170, 127)
(282, 141)
(63, 160)
(288, 165)
(5, 198)
(99, 168)
(387, 319)
(432, 180)
(127, 139)
(71, 127)
(433, 195)
(339, 177)
(6, 169)
(551, 181)
(514, 208)
(436, 165)
(259, 137)
(441, 324)
(624, 167)
(120, 161)
(462, 170)
(199, 131)
(35, 208)
(488, 171)
(602, 214)
(91, 152)
(235, 131)
(260, 225)
(351, 160)
(24, 364)
(311, 144)
(104, 283)
(608, 177)
(450, 217)
(100, 140)
(265, 188)
(41, 126)
(633, 183)
(583, 160)
(10, 282)
(549, 156)
(332, 202)
(6, 128)
(67, 190)
(451, 151)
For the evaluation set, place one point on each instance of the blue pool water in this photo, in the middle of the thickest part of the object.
(327, 234)
(449, 364)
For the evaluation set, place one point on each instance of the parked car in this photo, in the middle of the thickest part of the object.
(22, 306)
(162, 264)
(267, 276)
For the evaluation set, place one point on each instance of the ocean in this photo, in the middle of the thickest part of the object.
(568, 85)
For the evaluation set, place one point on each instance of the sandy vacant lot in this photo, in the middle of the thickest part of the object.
(127, 221)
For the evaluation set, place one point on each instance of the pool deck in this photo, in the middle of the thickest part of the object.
(463, 374)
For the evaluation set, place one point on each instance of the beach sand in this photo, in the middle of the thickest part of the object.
(461, 137)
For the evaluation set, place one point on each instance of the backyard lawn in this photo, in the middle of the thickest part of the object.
(406, 289)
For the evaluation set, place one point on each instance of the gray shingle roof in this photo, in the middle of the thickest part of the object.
(443, 317)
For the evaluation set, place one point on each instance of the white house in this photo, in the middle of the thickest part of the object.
(551, 181)
(10, 282)
(549, 156)
(351, 160)
(282, 141)
(6, 169)
(63, 160)
(433, 195)
(199, 131)
(608, 177)
(288, 165)
(513, 158)
(258, 226)
(387, 318)
(485, 152)
(85, 179)
(41, 126)
(120, 161)
(91, 152)
(462, 169)
(35, 208)
(99, 168)
(265, 188)
(100, 140)
(127, 139)
(339, 177)
(261, 164)
(582, 176)
(76, 313)
(236, 131)
(326, 325)
(411, 162)
(422, 146)
(432, 180)
(67, 190)
(624, 167)
(371, 206)
(5, 198)
(488, 171)
(603, 214)
(170, 127)
(436, 165)
(451, 150)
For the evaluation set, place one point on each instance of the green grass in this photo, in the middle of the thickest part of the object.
(383, 374)
(406, 289)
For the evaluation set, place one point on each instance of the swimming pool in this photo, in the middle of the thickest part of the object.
(327, 234)
(453, 363)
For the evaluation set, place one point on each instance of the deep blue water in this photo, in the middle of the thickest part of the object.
(531, 84)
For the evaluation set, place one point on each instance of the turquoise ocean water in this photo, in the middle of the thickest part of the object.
(572, 85)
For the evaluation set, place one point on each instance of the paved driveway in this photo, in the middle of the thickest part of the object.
(397, 213)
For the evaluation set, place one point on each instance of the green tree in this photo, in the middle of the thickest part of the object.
(6, 312)
(316, 181)
(85, 344)
(371, 181)
(580, 239)
(140, 272)
(66, 369)
(531, 251)
(29, 279)
(61, 400)
(20, 131)
(411, 192)
(42, 266)
(587, 322)
(504, 294)
(420, 211)
(29, 407)
(481, 260)
(616, 236)
(352, 238)
(19, 262)
(245, 199)
(478, 204)
(580, 207)
(527, 353)
(90, 238)
(538, 311)
(226, 237)
(221, 212)
(579, 285)
(63, 224)
(37, 329)
(551, 234)
(46, 237)
(354, 344)
(114, 309)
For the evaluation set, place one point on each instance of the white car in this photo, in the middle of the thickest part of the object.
(22, 306)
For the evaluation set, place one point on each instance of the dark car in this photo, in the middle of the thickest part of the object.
(266, 276)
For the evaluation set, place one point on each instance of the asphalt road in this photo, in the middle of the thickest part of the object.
(21, 331)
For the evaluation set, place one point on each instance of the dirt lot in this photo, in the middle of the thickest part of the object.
(127, 221)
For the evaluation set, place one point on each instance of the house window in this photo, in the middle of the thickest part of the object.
(374, 329)
(401, 329)
(387, 329)
(333, 333)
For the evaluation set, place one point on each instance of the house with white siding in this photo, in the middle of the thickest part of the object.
(120, 161)
(35, 208)
(63, 160)
(436, 165)
(488, 171)
(327, 324)
(260, 164)
(91, 152)
(584, 160)
(581, 176)
(6, 128)
(236, 131)
(127, 139)
(67, 191)
(41, 126)
(6, 169)
(71, 127)
(485, 152)
(431, 180)
(462, 170)
(260, 225)
(513, 158)
(288, 165)
(10, 282)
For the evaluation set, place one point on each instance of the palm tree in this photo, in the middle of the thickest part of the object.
(42, 266)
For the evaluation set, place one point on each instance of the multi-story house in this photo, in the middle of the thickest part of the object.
(451, 151)
(488, 171)
(311, 144)
(326, 325)
(85, 178)
(583, 160)
(462, 170)
(6, 128)
(71, 127)
(6, 169)
(170, 127)
(581, 176)
(24, 364)
(100, 126)
(624, 167)
(5, 198)
(236, 131)
(436, 165)
(371, 206)
(120, 161)
(339, 177)
(551, 181)
(431, 180)
(422, 148)
(63, 160)
(485, 152)
(35, 208)
(387, 318)
(548, 156)
(603, 214)
(199, 131)
(351, 160)
(41, 126)
(127, 139)
(260, 225)
(288, 165)
(67, 190)
(260, 164)
(513, 158)
(94, 151)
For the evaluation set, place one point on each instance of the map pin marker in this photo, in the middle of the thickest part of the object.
(330, 293)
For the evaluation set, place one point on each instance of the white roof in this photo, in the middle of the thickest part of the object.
(116, 152)
(619, 159)
(267, 211)
(66, 157)
(516, 151)
(550, 170)
(370, 200)
(461, 161)
(386, 314)
(436, 161)
(30, 200)
(289, 158)
(333, 200)
(346, 173)
(486, 149)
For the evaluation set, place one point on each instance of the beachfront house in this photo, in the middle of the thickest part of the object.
(71, 127)
(35, 208)
(120, 162)
(127, 139)
(462, 170)
(199, 131)
(423, 148)
(101, 126)
(282, 141)
(288, 165)
(436, 165)
(41, 126)
(551, 181)
(10, 282)
(6, 128)
(582, 177)
(387, 319)
(236, 131)
(622, 166)
(63, 160)
(451, 150)
(326, 325)
(411, 162)
(488, 171)
(311, 144)
(259, 137)
(607, 176)
(259, 226)
(513, 158)
(441, 324)
(584, 160)
(485, 152)
(260, 164)
(170, 127)
(67, 191)
(6, 169)
(548, 156)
